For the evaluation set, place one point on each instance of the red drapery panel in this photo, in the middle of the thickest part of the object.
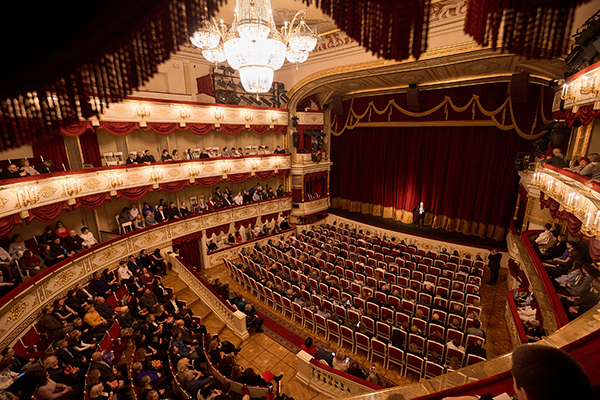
(297, 195)
(233, 129)
(92, 201)
(119, 128)
(285, 213)
(217, 230)
(315, 175)
(467, 188)
(189, 248)
(283, 173)
(238, 178)
(205, 86)
(52, 149)
(89, 148)
(8, 223)
(573, 223)
(173, 187)
(209, 182)
(244, 223)
(264, 175)
(162, 128)
(269, 217)
(47, 213)
(585, 115)
(304, 142)
(134, 193)
(76, 129)
(200, 129)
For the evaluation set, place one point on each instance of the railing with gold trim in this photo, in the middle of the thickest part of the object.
(22, 306)
(20, 195)
(312, 206)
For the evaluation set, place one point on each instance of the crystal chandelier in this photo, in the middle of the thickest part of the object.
(253, 45)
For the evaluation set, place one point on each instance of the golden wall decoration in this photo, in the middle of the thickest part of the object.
(63, 278)
(148, 238)
(134, 177)
(16, 312)
(3, 201)
(108, 254)
(47, 191)
(92, 183)
(173, 172)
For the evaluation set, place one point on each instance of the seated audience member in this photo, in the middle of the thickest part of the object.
(166, 156)
(586, 167)
(109, 372)
(356, 370)
(74, 242)
(148, 157)
(68, 357)
(192, 385)
(174, 306)
(160, 215)
(173, 212)
(455, 344)
(555, 251)
(88, 237)
(543, 237)
(238, 199)
(581, 287)
(477, 349)
(99, 285)
(17, 247)
(94, 319)
(25, 167)
(124, 272)
(476, 329)
(578, 306)
(32, 263)
(279, 150)
(183, 210)
(131, 159)
(309, 348)
(566, 255)
(175, 155)
(326, 354)
(105, 310)
(63, 312)
(48, 256)
(148, 300)
(61, 230)
(280, 191)
(339, 361)
(12, 172)
(60, 250)
(252, 319)
(149, 218)
(7, 377)
(557, 158)
(52, 326)
(51, 390)
(76, 343)
(146, 277)
(45, 167)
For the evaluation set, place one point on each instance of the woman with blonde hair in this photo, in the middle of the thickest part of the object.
(339, 361)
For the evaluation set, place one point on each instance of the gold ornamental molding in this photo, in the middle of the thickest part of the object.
(48, 189)
(312, 207)
(20, 312)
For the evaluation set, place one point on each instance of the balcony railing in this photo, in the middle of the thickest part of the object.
(20, 195)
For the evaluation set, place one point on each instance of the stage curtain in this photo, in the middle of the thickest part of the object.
(189, 248)
(134, 193)
(162, 128)
(89, 148)
(52, 148)
(200, 129)
(119, 128)
(47, 213)
(304, 143)
(244, 223)
(8, 223)
(173, 187)
(209, 182)
(204, 84)
(76, 128)
(217, 230)
(238, 178)
(465, 176)
(92, 201)
(269, 217)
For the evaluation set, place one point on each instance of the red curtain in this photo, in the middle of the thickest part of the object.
(238, 178)
(48, 213)
(283, 173)
(269, 217)
(90, 149)
(217, 230)
(205, 86)
(8, 223)
(264, 175)
(134, 193)
(52, 149)
(119, 128)
(189, 248)
(92, 201)
(76, 129)
(463, 174)
(162, 128)
(573, 223)
(173, 187)
(209, 182)
(585, 115)
(200, 129)
(244, 223)
(304, 143)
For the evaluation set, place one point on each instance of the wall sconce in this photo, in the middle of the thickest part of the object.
(193, 170)
(184, 113)
(276, 163)
(566, 93)
(72, 186)
(155, 175)
(142, 110)
(219, 115)
(225, 168)
(114, 180)
(273, 120)
(249, 117)
(28, 196)
(589, 88)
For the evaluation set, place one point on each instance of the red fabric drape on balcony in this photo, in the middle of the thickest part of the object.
(217, 230)
(585, 115)
(89, 148)
(238, 178)
(573, 223)
(209, 182)
(189, 248)
(245, 223)
(76, 129)
(134, 193)
(304, 141)
(269, 217)
(8, 223)
(48, 213)
(467, 187)
(283, 173)
(52, 149)
(200, 129)
(119, 128)
(264, 175)
(173, 187)
(92, 201)
(162, 128)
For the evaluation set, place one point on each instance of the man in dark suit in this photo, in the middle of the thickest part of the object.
(557, 250)
(69, 357)
(173, 212)
(494, 266)
(576, 306)
(419, 214)
(134, 265)
(108, 372)
(148, 157)
(45, 168)
(477, 349)
(160, 215)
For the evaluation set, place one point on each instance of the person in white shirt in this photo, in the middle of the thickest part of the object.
(17, 247)
(134, 211)
(545, 236)
(239, 199)
(88, 237)
(124, 271)
(455, 344)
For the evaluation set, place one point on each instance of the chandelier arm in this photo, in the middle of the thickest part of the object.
(291, 27)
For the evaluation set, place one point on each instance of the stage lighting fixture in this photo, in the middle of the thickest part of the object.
(221, 83)
(284, 98)
(231, 84)
(267, 102)
(235, 98)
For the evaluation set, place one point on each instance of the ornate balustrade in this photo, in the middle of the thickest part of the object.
(312, 206)
(21, 195)
(330, 381)
(233, 318)
(22, 306)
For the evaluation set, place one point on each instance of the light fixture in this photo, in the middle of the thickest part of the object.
(253, 45)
